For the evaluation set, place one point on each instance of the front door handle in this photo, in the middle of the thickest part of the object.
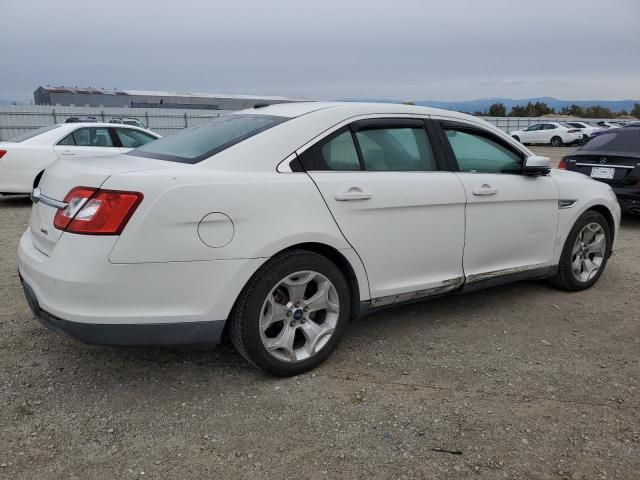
(485, 190)
(354, 193)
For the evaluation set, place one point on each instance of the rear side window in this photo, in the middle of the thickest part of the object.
(194, 144)
(615, 141)
(340, 153)
(92, 137)
(478, 153)
(401, 149)
(130, 138)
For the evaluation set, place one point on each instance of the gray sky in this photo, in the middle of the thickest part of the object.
(399, 49)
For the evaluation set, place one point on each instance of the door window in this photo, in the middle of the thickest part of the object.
(396, 149)
(534, 128)
(549, 126)
(89, 137)
(479, 153)
(130, 138)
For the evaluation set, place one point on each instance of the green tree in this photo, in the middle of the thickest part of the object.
(497, 110)
(636, 110)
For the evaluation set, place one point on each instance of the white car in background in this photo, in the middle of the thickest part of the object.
(586, 129)
(280, 224)
(550, 133)
(24, 157)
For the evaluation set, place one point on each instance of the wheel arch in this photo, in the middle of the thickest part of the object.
(606, 213)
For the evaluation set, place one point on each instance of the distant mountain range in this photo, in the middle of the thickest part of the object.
(483, 104)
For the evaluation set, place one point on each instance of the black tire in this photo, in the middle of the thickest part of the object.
(585, 139)
(556, 141)
(244, 328)
(516, 138)
(565, 278)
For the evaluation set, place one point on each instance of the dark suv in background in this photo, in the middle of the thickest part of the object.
(612, 157)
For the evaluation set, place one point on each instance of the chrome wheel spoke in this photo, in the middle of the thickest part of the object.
(272, 313)
(283, 342)
(597, 244)
(297, 284)
(314, 334)
(320, 300)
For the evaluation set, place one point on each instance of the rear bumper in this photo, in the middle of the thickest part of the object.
(184, 333)
(629, 199)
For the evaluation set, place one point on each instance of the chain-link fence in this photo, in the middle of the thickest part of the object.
(18, 119)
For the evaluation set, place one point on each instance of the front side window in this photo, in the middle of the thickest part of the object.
(396, 149)
(478, 153)
(88, 137)
(534, 128)
(130, 138)
(194, 144)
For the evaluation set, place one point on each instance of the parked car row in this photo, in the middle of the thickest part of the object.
(280, 224)
(571, 132)
(24, 157)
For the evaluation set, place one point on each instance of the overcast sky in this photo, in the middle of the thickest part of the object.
(328, 49)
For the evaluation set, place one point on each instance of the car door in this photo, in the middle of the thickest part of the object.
(511, 218)
(88, 142)
(386, 184)
(549, 130)
(130, 138)
(531, 134)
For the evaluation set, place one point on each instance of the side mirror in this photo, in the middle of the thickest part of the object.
(536, 165)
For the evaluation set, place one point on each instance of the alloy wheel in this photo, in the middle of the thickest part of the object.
(299, 316)
(588, 252)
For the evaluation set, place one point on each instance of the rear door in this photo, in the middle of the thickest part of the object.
(88, 142)
(387, 186)
(511, 218)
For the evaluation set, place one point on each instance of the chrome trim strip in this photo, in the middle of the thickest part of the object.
(37, 196)
(447, 286)
(605, 165)
(499, 273)
(566, 203)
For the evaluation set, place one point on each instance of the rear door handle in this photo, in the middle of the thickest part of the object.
(484, 191)
(354, 193)
(67, 152)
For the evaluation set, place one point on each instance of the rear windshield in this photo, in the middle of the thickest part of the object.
(32, 133)
(617, 140)
(194, 144)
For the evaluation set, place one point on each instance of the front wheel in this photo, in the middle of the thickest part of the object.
(556, 142)
(585, 253)
(292, 314)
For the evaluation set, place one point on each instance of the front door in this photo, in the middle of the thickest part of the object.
(404, 216)
(511, 218)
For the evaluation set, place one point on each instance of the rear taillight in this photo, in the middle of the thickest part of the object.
(562, 165)
(2, 153)
(574, 130)
(96, 212)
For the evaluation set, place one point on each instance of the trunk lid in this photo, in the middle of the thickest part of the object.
(66, 174)
(626, 167)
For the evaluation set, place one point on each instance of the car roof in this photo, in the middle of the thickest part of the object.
(296, 109)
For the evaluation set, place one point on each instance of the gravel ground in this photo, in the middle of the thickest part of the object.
(522, 381)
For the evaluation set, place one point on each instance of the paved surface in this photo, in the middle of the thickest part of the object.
(522, 382)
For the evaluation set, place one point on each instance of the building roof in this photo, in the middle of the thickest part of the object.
(156, 93)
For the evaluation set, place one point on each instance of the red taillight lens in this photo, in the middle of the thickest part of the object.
(97, 212)
(562, 165)
(2, 153)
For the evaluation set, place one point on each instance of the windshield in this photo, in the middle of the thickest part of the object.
(617, 140)
(194, 144)
(32, 133)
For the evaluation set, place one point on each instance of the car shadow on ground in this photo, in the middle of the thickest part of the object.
(15, 201)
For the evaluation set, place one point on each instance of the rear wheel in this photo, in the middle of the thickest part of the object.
(585, 139)
(292, 314)
(585, 253)
(556, 141)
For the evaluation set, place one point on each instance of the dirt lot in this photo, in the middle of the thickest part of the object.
(521, 381)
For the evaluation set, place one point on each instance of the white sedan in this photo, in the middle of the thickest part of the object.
(551, 133)
(24, 157)
(280, 224)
